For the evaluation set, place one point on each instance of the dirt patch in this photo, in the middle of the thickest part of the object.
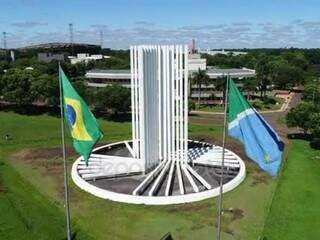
(189, 208)
(42, 153)
(260, 178)
(235, 213)
(3, 189)
(49, 163)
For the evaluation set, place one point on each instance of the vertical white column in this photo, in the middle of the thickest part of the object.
(136, 101)
(168, 102)
(172, 95)
(181, 103)
(133, 122)
(141, 103)
(186, 75)
(177, 123)
(160, 124)
(164, 97)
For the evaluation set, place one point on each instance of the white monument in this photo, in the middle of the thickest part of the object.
(160, 165)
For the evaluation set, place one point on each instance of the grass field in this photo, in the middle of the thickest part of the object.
(295, 210)
(31, 193)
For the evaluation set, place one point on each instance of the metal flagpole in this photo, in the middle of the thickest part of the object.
(222, 162)
(65, 168)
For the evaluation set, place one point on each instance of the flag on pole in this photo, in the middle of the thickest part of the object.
(82, 123)
(262, 144)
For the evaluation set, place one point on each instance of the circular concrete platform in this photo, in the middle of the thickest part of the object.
(114, 174)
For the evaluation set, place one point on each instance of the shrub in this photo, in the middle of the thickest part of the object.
(315, 143)
(269, 100)
(258, 104)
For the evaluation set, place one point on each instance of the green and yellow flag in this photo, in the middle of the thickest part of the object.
(82, 123)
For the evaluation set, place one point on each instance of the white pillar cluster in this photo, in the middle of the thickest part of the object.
(159, 95)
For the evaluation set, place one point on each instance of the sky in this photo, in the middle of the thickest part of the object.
(213, 23)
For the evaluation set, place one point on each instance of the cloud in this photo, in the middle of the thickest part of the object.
(144, 23)
(28, 24)
(297, 33)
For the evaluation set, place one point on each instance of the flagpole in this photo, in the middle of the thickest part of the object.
(222, 162)
(65, 167)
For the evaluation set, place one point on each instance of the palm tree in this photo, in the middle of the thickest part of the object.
(220, 85)
(200, 77)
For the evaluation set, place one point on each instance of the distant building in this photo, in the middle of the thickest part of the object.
(86, 57)
(49, 57)
(59, 47)
(215, 52)
(102, 78)
(196, 62)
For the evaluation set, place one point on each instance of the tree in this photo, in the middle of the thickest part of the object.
(200, 77)
(312, 92)
(301, 116)
(284, 75)
(114, 98)
(249, 86)
(15, 86)
(220, 85)
(263, 71)
(315, 124)
(191, 105)
(45, 88)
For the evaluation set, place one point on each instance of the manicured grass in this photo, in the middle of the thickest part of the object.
(101, 219)
(220, 108)
(295, 210)
(214, 108)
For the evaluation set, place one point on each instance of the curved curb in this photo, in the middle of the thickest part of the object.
(155, 200)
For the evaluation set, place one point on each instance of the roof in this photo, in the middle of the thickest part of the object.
(212, 72)
(109, 73)
(58, 45)
(233, 72)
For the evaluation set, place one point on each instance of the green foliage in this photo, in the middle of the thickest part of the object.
(315, 124)
(45, 88)
(200, 78)
(312, 92)
(315, 143)
(113, 98)
(191, 105)
(113, 63)
(15, 86)
(301, 116)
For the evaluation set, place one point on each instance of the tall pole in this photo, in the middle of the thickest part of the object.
(65, 167)
(71, 37)
(101, 38)
(4, 40)
(222, 161)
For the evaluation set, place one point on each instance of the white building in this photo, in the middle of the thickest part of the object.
(215, 52)
(86, 57)
(196, 62)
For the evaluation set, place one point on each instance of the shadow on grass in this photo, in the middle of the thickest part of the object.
(31, 110)
(167, 237)
(54, 111)
(301, 136)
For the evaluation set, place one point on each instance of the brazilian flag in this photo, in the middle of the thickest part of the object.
(82, 123)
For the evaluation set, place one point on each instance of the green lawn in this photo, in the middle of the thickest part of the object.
(32, 194)
(220, 108)
(295, 210)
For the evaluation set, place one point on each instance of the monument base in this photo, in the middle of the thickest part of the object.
(115, 175)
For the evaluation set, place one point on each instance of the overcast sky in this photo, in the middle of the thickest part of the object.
(213, 23)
